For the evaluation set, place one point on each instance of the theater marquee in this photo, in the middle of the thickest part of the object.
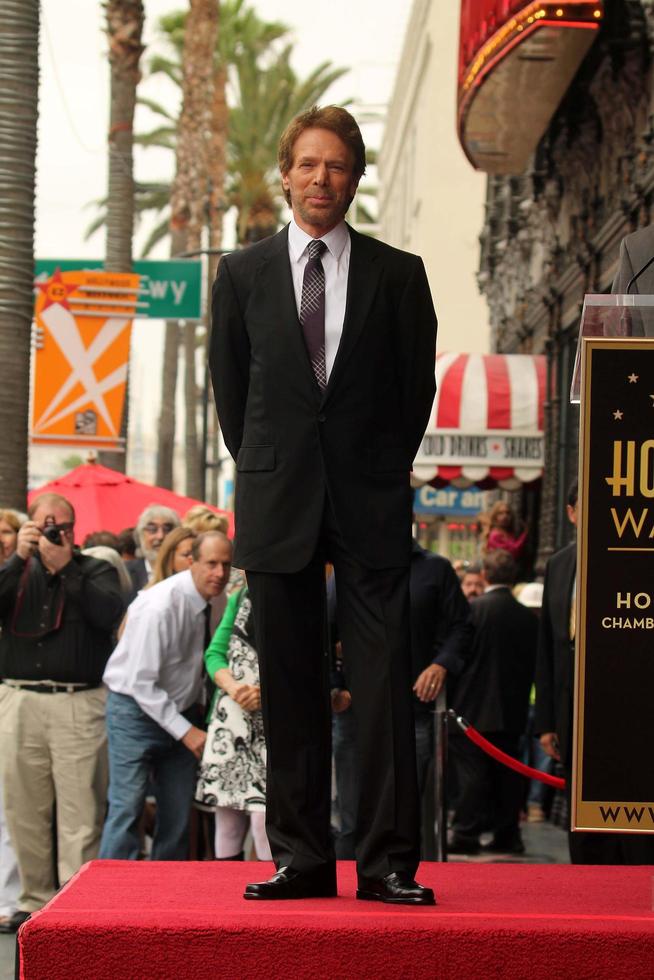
(531, 47)
(613, 781)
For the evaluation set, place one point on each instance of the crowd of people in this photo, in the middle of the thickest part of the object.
(130, 695)
(103, 691)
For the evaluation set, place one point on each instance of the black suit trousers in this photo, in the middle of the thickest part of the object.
(374, 627)
(489, 795)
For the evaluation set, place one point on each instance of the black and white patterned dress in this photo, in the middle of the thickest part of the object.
(233, 767)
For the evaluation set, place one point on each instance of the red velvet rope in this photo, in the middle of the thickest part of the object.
(508, 760)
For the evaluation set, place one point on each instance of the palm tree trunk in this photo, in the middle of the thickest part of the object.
(217, 198)
(191, 392)
(218, 160)
(189, 198)
(168, 414)
(19, 86)
(124, 30)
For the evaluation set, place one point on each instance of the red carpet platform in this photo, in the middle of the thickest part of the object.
(153, 921)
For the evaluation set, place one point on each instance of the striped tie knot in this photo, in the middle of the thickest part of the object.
(316, 247)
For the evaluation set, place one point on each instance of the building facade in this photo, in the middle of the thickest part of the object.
(430, 199)
(552, 232)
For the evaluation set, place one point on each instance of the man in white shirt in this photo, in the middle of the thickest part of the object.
(154, 708)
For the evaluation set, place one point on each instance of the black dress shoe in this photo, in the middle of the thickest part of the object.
(14, 923)
(289, 883)
(396, 888)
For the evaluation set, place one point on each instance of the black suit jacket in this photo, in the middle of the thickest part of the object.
(636, 250)
(492, 693)
(441, 626)
(138, 573)
(555, 663)
(292, 442)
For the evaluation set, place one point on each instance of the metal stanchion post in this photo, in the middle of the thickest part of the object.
(440, 757)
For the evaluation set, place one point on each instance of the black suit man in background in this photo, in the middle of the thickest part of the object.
(322, 361)
(636, 251)
(635, 275)
(556, 650)
(441, 634)
(493, 695)
(555, 675)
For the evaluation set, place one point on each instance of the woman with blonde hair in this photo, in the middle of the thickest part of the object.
(174, 555)
(201, 518)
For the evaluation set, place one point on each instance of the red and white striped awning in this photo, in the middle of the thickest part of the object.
(486, 426)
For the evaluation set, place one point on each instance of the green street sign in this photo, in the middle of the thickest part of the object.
(172, 288)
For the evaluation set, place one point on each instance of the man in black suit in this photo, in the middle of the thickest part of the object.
(556, 650)
(555, 670)
(636, 267)
(441, 632)
(492, 694)
(322, 359)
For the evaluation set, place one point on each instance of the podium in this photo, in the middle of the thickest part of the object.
(613, 768)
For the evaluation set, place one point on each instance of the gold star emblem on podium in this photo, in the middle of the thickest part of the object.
(617, 415)
(633, 378)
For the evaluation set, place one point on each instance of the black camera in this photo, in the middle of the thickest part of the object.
(53, 533)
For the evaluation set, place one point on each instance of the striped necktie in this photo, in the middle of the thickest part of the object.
(312, 310)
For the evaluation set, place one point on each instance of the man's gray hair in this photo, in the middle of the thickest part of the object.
(154, 512)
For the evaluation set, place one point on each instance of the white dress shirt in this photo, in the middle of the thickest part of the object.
(336, 263)
(159, 658)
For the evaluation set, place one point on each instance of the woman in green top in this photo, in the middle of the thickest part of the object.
(232, 778)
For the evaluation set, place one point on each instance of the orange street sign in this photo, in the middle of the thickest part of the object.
(83, 329)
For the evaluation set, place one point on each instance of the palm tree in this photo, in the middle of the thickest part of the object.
(188, 200)
(19, 87)
(124, 31)
(243, 36)
(239, 28)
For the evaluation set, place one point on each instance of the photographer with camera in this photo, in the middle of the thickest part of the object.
(58, 610)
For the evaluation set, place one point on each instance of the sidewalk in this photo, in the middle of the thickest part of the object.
(544, 844)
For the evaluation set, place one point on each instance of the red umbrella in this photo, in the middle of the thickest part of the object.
(105, 500)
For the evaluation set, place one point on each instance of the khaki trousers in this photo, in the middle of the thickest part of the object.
(53, 752)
